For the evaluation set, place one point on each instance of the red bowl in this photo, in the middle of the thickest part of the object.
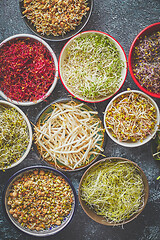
(63, 55)
(145, 32)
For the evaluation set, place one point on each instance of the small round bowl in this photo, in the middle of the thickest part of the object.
(145, 32)
(53, 229)
(68, 35)
(58, 164)
(32, 37)
(98, 166)
(64, 56)
(10, 105)
(131, 143)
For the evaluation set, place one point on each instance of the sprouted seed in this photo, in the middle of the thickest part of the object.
(131, 117)
(114, 190)
(92, 67)
(55, 17)
(27, 69)
(14, 136)
(146, 62)
(40, 200)
(70, 135)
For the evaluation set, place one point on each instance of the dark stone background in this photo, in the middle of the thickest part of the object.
(123, 20)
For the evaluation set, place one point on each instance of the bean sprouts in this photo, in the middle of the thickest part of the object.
(70, 135)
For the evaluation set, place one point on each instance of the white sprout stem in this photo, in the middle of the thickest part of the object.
(69, 134)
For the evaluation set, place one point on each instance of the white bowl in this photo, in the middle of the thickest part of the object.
(29, 103)
(10, 105)
(63, 56)
(130, 143)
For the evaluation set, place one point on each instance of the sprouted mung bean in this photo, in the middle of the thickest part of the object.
(40, 200)
(146, 62)
(114, 190)
(55, 17)
(70, 134)
(131, 117)
(14, 136)
(92, 67)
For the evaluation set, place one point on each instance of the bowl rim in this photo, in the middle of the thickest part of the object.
(65, 100)
(31, 168)
(132, 144)
(60, 38)
(135, 41)
(45, 44)
(125, 67)
(10, 105)
(146, 190)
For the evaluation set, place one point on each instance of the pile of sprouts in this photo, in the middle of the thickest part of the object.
(146, 62)
(131, 117)
(92, 67)
(70, 136)
(40, 200)
(113, 189)
(55, 17)
(14, 136)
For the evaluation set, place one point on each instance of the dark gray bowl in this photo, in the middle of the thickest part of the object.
(43, 233)
(68, 35)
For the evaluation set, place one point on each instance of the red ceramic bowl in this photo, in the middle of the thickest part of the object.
(64, 55)
(145, 32)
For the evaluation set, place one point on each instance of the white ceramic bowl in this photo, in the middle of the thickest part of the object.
(28, 103)
(130, 143)
(24, 155)
(63, 56)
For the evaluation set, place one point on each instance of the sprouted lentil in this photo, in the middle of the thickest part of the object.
(92, 67)
(14, 136)
(70, 134)
(40, 200)
(131, 117)
(55, 17)
(114, 190)
(146, 62)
